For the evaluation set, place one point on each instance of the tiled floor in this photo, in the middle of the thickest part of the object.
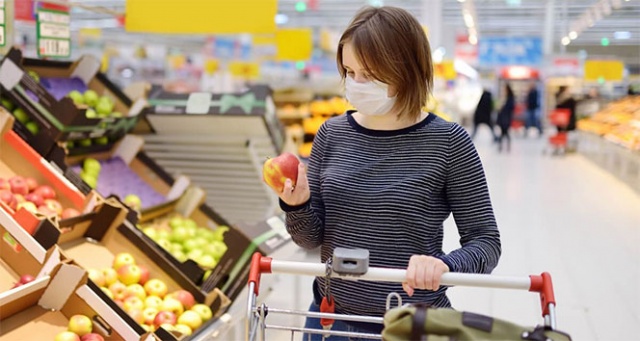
(563, 215)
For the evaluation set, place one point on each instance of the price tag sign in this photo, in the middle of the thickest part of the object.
(54, 34)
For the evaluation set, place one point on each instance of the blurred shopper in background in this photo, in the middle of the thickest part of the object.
(483, 113)
(505, 117)
(564, 100)
(533, 117)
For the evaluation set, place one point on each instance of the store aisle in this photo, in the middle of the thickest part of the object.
(563, 215)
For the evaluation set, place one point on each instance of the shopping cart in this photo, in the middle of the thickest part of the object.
(559, 118)
(351, 268)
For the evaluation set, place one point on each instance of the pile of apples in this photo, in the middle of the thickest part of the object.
(184, 239)
(80, 329)
(19, 192)
(20, 115)
(147, 300)
(99, 106)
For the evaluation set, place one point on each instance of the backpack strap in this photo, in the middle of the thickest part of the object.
(419, 322)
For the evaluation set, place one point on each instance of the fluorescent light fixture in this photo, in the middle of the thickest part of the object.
(622, 35)
(463, 68)
(473, 39)
(464, 0)
(514, 2)
(573, 35)
(566, 41)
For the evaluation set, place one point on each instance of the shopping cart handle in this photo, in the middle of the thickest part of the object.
(535, 283)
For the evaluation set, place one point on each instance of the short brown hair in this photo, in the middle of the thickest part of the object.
(392, 47)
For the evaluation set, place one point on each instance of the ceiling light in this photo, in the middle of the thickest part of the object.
(473, 39)
(281, 19)
(468, 20)
(513, 2)
(566, 41)
(463, 0)
(622, 35)
(573, 35)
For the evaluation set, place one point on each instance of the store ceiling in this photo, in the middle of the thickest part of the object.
(493, 18)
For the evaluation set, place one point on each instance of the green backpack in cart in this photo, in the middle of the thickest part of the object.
(419, 323)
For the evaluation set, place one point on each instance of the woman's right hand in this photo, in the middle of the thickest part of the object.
(300, 194)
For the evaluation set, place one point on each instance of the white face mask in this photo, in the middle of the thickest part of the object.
(369, 98)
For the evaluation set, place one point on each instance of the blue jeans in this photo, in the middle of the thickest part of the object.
(314, 323)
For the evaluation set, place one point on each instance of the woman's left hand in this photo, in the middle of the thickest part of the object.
(424, 272)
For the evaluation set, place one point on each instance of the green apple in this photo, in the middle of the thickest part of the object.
(195, 254)
(133, 201)
(91, 98)
(153, 301)
(207, 261)
(164, 234)
(123, 259)
(104, 106)
(90, 113)
(179, 256)
(108, 292)
(21, 115)
(203, 310)
(216, 249)
(6, 103)
(207, 274)
(164, 243)
(80, 325)
(76, 97)
(219, 232)
(205, 233)
(36, 78)
(102, 141)
(117, 114)
(91, 180)
(180, 235)
(183, 329)
(173, 305)
(191, 319)
(150, 232)
(91, 166)
(70, 144)
(85, 143)
(175, 247)
(191, 244)
(190, 223)
(32, 127)
(176, 222)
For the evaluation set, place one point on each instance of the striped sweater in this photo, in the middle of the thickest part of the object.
(390, 192)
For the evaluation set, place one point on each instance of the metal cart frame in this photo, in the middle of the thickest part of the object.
(256, 315)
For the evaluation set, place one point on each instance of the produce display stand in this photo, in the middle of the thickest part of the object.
(44, 101)
(17, 157)
(617, 160)
(125, 170)
(220, 141)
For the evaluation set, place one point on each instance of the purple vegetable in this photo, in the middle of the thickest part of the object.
(60, 87)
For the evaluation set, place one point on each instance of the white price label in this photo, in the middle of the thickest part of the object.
(55, 18)
(49, 30)
(1, 16)
(54, 47)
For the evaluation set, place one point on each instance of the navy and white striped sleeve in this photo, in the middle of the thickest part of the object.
(468, 197)
(305, 223)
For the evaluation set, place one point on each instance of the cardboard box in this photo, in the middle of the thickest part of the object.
(157, 187)
(17, 157)
(42, 309)
(56, 114)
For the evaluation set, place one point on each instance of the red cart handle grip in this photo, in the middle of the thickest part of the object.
(259, 265)
(542, 284)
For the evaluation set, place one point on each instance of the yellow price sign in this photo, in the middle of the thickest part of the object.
(608, 70)
(294, 44)
(445, 70)
(201, 16)
(211, 66)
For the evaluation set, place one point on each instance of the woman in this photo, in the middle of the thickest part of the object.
(505, 117)
(482, 114)
(385, 177)
(564, 100)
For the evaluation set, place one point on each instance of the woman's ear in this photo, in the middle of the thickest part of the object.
(392, 91)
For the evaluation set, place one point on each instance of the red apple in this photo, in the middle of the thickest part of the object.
(156, 287)
(164, 317)
(278, 169)
(122, 259)
(144, 274)
(67, 336)
(80, 324)
(20, 198)
(172, 305)
(69, 213)
(133, 303)
(118, 290)
(136, 290)
(149, 314)
(34, 198)
(184, 297)
(136, 314)
(153, 302)
(54, 205)
(4, 184)
(92, 337)
(110, 276)
(45, 210)
(97, 277)
(32, 184)
(18, 185)
(129, 274)
(24, 279)
(45, 191)
(9, 199)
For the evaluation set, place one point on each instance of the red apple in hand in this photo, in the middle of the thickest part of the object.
(69, 213)
(18, 185)
(164, 317)
(278, 169)
(45, 191)
(32, 184)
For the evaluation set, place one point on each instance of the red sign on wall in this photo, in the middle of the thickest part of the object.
(26, 10)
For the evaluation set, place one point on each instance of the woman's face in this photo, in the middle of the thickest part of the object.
(354, 70)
